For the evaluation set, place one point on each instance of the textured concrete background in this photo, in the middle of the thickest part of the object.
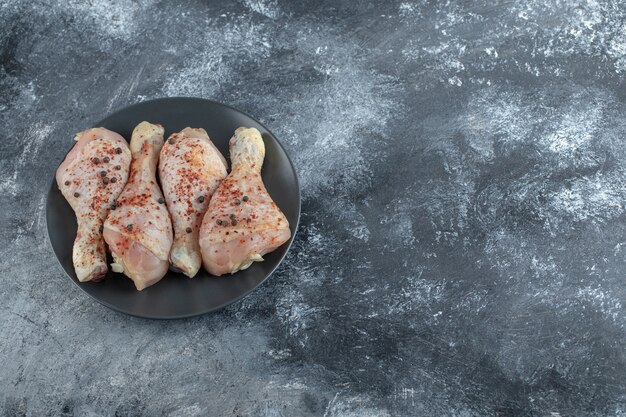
(463, 241)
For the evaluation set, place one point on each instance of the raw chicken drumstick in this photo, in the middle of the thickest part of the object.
(90, 178)
(242, 222)
(190, 170)
(138, 229)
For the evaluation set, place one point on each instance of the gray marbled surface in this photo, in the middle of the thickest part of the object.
(462, 248)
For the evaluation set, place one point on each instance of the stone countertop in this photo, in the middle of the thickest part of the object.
(462, 248)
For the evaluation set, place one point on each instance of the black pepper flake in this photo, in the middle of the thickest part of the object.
(234, 222)
(118, 167)
(105, 180)
(67, 183)
(188, 230)
(96, 160)
(103, 173)
(76, 195)
(218, 222)
(201, 199)
(114, 179)
(245, 198)
(237, 201)
(129, 227)
(161, 200)
(106, 159)
(171, 141)
(118, 150)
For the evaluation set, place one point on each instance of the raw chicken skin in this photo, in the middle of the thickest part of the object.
(190, 170)
(90, 178)
(242, 222)
(138, 229)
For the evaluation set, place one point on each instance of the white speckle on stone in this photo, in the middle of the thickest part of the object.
(115, 18)
(407, 7)
(455, 81)
(191, 411)
(593, 29)
(296, 315)
(576, 130)
(280, 354)
(117, 381)
(34, 139)
(617, 50)
(295, 385)
(418, 294)
(352, 406)
(207, 69)
(598, 199)
(491, 52)
(604, 302)
(359, 230)
(398, 223)
(267, 8)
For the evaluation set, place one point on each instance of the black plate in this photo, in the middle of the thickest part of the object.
(177, 296)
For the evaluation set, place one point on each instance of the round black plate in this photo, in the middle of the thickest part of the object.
(177, 296)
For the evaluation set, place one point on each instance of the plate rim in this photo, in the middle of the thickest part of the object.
(220, 306)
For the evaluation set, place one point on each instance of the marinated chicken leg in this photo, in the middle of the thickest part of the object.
(190, 170)
(242, 222)
(138, 229)
(90, 178)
